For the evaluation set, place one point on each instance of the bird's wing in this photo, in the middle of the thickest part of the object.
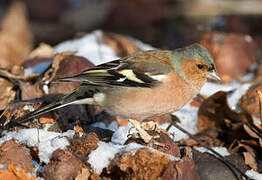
(137, 70)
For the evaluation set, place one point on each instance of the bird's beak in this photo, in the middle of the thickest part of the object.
(213, 75)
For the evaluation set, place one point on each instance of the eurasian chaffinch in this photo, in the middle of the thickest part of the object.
(141, 85)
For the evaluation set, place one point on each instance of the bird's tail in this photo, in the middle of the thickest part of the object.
(70, 99)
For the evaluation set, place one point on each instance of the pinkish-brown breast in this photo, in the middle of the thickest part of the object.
(141, 103)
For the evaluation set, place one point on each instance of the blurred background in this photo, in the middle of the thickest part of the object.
(161, 23)
(230, 29)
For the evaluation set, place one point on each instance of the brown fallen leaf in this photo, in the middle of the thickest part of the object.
(16, 40)
(162, 143)
(120, 44)
(215, 112)
(142, 164)
(251, 131)
(250, 100)
(43, 50)
(210, 167)
(250, 160)
(63, 165)
(83, 174)
(66, 65)
(82, 146)
(47, 118)
(145, 164)
(78, 129)
(15, 173)
(12, 153)
(63, 65)
(177, 170)
(7, 94)
(209, 137)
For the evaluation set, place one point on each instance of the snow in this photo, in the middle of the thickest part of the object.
(120, 136)
(188, 117)
(100, 157)
(90, 47)
(45, 87)
(141, 45)
(29, 107)
(37, 69)
(254, 175)
(220, 150)
(248, 77)
(46, 141)
(3, 166)
(113, 126)
(237, 91)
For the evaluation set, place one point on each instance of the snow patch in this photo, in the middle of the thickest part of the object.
(113, 126)
(90, 47)
(46, 141)
(37, 69)
(100, 158)
(237, 91)
(120, 136)
(188, 120)
(254, 175)
(220, 150)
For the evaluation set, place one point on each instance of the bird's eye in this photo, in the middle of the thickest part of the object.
(200, 66)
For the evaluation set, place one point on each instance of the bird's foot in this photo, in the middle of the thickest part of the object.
(143, 127)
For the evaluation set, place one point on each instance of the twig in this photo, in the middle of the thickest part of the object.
(259, 100)
(227, 163)
(254, 128)
(11, 76)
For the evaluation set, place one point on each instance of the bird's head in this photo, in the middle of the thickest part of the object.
(194, 64)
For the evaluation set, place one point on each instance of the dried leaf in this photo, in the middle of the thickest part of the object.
(120, 44)
(63, 165)
(47, 118)
(142, 164)
(215, 112)
(250, 160)
(249, 102)
(15, 39)
(83, 174)
(12, 153)
(179, 170)
(78, 129)
(209, 167)
(209, 137)
(250, 132)
(7, 94)
(14, 174)
(43, 50)
(64, 65)
(82, 146)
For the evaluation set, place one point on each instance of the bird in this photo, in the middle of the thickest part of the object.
(141, 85)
